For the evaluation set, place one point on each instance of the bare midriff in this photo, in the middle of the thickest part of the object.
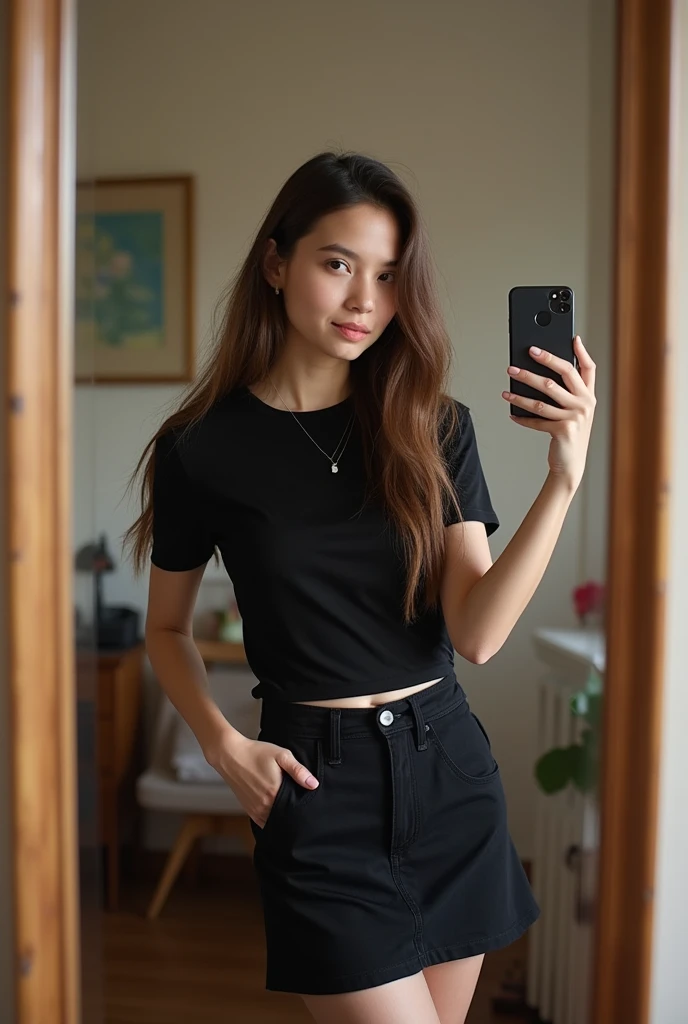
(370, 700)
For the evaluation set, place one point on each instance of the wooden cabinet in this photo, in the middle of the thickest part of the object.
(112, 680)
(109, 688)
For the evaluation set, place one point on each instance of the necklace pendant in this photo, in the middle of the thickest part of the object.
(335, 467)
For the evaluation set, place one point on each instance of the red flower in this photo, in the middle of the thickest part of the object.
(588, 597)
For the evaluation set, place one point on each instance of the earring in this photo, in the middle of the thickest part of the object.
(276, 291)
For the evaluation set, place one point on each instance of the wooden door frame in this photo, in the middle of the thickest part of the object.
(648, 56)
(37, 405)
(38, 409)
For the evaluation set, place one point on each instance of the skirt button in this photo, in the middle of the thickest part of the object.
(386, 717)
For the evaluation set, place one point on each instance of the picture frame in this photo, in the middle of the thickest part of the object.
(134, 302)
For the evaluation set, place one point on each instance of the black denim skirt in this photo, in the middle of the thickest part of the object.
(400, 859)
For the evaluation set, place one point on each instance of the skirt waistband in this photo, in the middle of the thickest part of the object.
(332, 724)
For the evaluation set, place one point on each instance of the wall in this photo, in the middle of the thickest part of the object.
(669, 1002)
(485, 109)
(600, 183)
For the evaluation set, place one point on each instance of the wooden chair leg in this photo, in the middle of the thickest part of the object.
(235, 825)
(243, 830)
(193, 827)
(191, 866)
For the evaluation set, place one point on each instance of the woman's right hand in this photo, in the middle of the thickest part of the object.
(253, 769)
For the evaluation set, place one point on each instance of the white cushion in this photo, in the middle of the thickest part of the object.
(230, 689)
(176, 755)
(159, 790)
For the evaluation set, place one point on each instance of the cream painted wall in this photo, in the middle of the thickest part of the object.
(486, 110)
(592, 546)
(669, 1003)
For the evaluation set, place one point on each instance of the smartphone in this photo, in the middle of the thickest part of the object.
(541, 315)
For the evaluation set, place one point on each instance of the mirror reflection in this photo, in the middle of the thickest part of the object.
(339, 576)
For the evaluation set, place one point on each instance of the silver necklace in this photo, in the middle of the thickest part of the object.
(334, 458)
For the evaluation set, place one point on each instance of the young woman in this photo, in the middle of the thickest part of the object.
(320, 453)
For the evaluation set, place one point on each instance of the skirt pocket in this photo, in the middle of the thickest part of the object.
(291, 795)
(464, 745)
(272, 813)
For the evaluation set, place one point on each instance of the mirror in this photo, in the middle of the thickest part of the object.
(499, 118)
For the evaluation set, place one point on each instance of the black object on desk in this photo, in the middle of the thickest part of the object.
(117, 627)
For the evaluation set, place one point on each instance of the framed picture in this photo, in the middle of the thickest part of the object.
(133, 271)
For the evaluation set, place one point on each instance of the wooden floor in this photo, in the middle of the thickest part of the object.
(202, 961)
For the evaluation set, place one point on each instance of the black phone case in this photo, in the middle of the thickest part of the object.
(525, 303)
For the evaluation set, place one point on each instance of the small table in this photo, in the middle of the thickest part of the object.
(221, 652)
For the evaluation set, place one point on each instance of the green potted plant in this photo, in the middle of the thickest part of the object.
(578, 763)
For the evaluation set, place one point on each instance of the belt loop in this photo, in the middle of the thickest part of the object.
(335, 737)
(420, 724)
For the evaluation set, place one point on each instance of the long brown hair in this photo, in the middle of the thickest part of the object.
(399, 384)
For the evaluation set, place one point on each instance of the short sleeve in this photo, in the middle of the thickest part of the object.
(466, 473)
(181, 537)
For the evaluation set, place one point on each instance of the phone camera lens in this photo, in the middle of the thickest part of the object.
(565, 294)
(563, 307)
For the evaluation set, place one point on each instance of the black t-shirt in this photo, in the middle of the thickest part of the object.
(318, 576)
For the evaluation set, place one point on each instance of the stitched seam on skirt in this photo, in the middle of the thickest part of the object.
(436, 949)
(416, 812)
(410, 902)
(483, 938)
(377, 970)
(319, 769)
(446, 711)
(388, 732)
(394, 803)
(394, 856)
(472, 780)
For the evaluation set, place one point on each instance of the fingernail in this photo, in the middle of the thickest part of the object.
(534, 350)
(311, 781)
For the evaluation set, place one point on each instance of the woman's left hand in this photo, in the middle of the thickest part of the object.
(570, 425)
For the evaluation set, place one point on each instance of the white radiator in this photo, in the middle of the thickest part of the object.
(566, 843)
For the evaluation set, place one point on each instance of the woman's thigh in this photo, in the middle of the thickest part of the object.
(405, 1001)
(452, 986)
